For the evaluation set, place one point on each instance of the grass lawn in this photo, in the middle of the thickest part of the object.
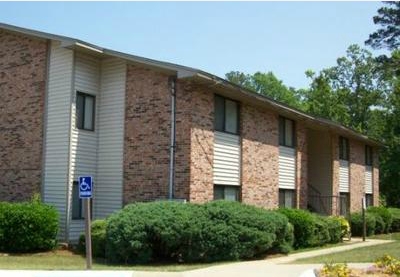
(67, 260)
(361, 255)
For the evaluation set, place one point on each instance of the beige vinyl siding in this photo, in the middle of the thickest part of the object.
(226, 159)
(108, 193)
(343, 176)
(368, 179)
(57, 131)
(287, 167)
(83, 142)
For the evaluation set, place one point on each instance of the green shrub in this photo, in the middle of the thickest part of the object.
(309, 229)
(322, 232)
(334, 225)
(220, 230)
(98, 234)
(385, 214)
(395, 227)
(380, 225)
(344, 226)
(258, 230)
(27, 227)
(357, 224)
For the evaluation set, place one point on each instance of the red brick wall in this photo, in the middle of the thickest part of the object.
(260, 157)
(202, 145)
(183, 106)
(147, 135)
(23, 65)
(302, 169)
(357, 174)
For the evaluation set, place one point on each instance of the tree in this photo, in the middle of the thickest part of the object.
(266, 84)
(349, 91)
(321, 100)
(388, 36)
(390, 136)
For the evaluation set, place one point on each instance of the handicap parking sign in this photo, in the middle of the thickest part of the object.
(85, 186)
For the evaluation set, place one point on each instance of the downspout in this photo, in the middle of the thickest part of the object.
(172, 87)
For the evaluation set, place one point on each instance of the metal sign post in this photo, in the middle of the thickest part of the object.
(364, 233)
(85, 193)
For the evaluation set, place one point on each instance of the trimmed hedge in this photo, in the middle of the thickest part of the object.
(219, 230)
(395, 212)
(27, 227)
(312, 229)
(334, 225)
(98, 234)
(357, 224)
(380, 225)
(386, 216)
(344, 226)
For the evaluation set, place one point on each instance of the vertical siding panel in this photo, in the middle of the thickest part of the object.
(368, 179)
(287, 167)
(226, 159)
(83, 142)
(109, 183)
(343, 176)
(57, 131)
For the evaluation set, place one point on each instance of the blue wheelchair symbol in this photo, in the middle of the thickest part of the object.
(85, 186)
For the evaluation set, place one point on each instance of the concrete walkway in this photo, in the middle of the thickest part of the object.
(279, 267)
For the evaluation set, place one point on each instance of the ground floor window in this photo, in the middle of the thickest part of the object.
(344, 203)
(369, 199)
(77, 203)
(226, 192)
(286, 198)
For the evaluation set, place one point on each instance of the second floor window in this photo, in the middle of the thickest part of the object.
(226, 115)
(286, 132)
(343, 149)
(368, 155)
(85, 105)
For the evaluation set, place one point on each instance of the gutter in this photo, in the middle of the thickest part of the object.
(172, 86)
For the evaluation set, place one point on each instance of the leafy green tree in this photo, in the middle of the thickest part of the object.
(347, 92)
(388, 36)
(356, 79)
(321, 100)
(266, 84)
(390, 153)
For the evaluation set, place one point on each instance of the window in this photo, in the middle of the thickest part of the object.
(77, 207)
(226, 115)
(369, 199)
(286, 132)
(343, 148)
(286, 198)
(85, 104)
(77, 203)
(226, 193)
(368, 155)
(344, 203)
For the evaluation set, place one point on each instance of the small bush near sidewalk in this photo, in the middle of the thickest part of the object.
(27, 227)
(357, 224)
(395, 212)
(385, 214)
(335, 270)
(383, 266)
(98, 234)
(311, 229)
(217, 231)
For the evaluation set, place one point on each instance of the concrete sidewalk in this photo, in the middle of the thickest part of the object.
(278, 267)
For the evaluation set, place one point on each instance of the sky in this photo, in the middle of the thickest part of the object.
(286, 38)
